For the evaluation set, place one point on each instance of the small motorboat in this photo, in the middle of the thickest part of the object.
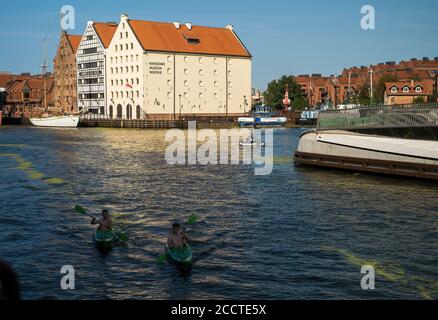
(56, 122)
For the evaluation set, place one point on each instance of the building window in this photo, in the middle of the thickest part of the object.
(121, 47)
(169, 58)
(201, 96)
(169, 82)
(127, 46)
(216, 61)
(201, 84)
(89, 37)
(126, 34)
(406, 89)
(186, 83)
(201, 72)
(216, 96)
(200, 60)
(138, 69)
(186, 59)
(186, 72)
(230, 96)
(215, 72)
(132, 46)
(90, 51)
(418, 89)
(169, 95)
(121, 35)
(169, 71)
(394, 89)
(186, 95)
(216, 84)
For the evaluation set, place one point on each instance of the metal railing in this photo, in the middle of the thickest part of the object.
(397, 116)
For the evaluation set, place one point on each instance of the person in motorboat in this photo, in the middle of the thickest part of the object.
(176, 238)
(105, 223)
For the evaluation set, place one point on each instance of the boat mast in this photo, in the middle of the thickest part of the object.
(44, 71)
(371, 85)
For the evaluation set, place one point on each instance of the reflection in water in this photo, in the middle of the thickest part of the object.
(255, 236)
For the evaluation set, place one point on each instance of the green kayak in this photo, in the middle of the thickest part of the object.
(182, 258)
(104, 239)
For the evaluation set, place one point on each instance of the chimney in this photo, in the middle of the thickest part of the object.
(177, 24)
(189, 26)
(412, 83)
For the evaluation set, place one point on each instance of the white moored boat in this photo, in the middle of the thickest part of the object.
(370, 153)
(56, 122)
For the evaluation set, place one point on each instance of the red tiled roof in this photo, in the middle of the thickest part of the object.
(4, 79)
(105, 31)
(160, 36)
(74, 41)
(426, 85)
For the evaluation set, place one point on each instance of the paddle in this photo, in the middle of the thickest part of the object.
(121, 236)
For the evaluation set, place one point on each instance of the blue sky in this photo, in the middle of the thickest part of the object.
(285, 37)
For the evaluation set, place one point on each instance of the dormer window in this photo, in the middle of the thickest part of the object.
(191, 39)
(394, 89)
(405, 89)
(418, 89)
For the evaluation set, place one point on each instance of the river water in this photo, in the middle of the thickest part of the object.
(298, 233)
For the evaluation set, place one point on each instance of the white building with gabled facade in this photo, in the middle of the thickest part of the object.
(159, 70)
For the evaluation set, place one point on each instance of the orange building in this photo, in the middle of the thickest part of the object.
(407, 92)
(65, 91)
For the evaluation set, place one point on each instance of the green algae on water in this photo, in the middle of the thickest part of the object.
(54, 181)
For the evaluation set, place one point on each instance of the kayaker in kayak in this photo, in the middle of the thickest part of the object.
(106, 223)
(176, 238)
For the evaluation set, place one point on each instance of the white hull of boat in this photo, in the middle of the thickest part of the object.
(354, 151)
(262, 121)
(56, 122)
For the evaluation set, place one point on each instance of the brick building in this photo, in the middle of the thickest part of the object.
(26, 94)
(407, 92)
(345, 87)
(65, 91)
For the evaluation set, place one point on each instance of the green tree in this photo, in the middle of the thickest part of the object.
(364, 94)
(380, 88)
(418, 100)
(274, 94)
